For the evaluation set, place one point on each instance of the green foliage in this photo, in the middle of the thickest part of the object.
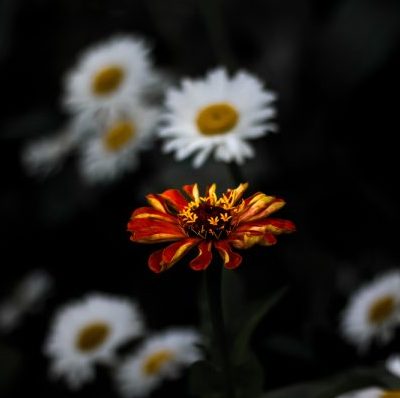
(333, 386)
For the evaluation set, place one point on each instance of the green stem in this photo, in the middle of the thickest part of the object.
(213, 281)
(236, 173)
(214, 21)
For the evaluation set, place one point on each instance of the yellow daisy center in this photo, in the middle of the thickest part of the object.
(155, 361)
(381, 309)
(210, 217)
(118, 135)
(107, 80)
(92, 336)
(391, 394)
(218, 118)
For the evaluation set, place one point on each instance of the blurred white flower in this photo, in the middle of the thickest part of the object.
(108, 79)
(217, 115)
(27, 297)
(87, 332)
(393, 364)
(45, 155)
(373, 311)
(162, 356)
(371, 392)
(114, 149)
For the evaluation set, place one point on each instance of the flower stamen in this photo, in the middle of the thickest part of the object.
(118, 136)
(92, 336)
(155, 361)
(218, 118)
(107, 80)
(381, 309)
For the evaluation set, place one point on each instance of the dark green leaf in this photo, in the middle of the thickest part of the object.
(204, 379)
(255, 313)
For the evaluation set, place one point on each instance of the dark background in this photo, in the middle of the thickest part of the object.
(335, 66)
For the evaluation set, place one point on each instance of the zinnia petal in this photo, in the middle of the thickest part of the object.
(260, 206)
(192, 191)
(153, 214)
(231, 259)
(164, 259)
(175, 199)
(203, 259)
(152, 231)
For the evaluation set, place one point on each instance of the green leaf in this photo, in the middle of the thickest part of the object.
(255, 312)
(249, 378)
(10, 364)
(205, 380)
(333, 386)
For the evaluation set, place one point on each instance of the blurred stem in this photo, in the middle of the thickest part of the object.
(212, 14)
(236, 173)
(213, 281)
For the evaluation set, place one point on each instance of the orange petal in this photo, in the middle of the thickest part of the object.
(163, 259)
(151, 231)
(238, 191)
(192, 191)
(268, 239)
(155, 261)
(174, 199)
(276, 226)
(231, 259)
(157, 202)
(203, 259)
(173, 253)
(260, 206)
(153, 214)
(245, 240)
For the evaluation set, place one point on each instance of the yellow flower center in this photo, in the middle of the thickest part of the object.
(219, 118)
(107, 80)
(210, 217)
(391, 394)
(92, 336)
(154, 362)
(381, 309)
(118, 136)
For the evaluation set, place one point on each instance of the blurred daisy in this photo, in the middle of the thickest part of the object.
(114, 150)
(160, 357)
(217, 115)
(393, 365)
(27, 296)
(373, 311)
(108, 78)
(88, 332)
(372, 392)
(45, 155)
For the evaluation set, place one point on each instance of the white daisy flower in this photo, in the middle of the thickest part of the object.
(160, 357)
(371, 392)
(393, 364)
(108, 78)
(217, 115)
(45, 155)
(27, 296)
(114, 149)
(373, 311)
(88, 332)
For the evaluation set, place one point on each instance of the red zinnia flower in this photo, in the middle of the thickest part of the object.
(206, 221)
